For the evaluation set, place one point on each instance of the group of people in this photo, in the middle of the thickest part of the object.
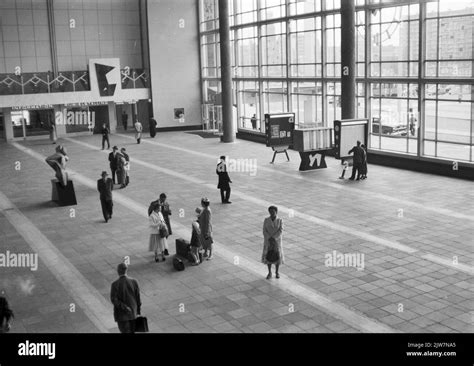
(120, 166)
(125, 292)
(159, 213)
(105, 131)
(358, 161)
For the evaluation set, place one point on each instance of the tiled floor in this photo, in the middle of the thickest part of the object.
(415, 231)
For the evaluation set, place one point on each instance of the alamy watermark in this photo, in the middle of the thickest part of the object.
(239, 166)
(66, 117)
(335, 259)
(27, 260)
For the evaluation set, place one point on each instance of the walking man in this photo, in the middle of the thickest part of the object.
(224, 180)
(105, 186)
(138, 131)
(358, 159)
(125, 295)
(124, 120)
(105, 136)
(113, 162)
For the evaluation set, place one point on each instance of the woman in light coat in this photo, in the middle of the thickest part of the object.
(205, 225)
(272, 241)
(157, 241)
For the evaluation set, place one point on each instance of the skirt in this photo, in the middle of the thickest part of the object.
(157, 244)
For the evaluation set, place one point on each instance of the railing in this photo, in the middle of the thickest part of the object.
(67, 81)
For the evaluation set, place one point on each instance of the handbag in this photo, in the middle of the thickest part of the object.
(273, 255)
(178, 263)
(141, 324)
(163, 231)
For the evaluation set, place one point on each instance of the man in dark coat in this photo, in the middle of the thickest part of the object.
(125, 295)
(359, 155)
(224, 180)
(153, 125)
(6, 315)
(105, 136)
(113, 160)
(105, 187)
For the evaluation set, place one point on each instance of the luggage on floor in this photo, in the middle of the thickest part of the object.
(178, 263)
(183, 247)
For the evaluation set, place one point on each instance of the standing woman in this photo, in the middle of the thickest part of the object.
(153, 125)
(138, 131)
(196, 238)
(52, 132)
(166, 212)
(127, 165)
(205, 225)
(121, 173)
(158, 233)
(272, 242)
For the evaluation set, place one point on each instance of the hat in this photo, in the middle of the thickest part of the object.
(222, 157)
(123, 149)
(104, 173)
(205, 199)
(115, 148)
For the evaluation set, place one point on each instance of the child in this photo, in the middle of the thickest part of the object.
(346, 164)
(196, 239)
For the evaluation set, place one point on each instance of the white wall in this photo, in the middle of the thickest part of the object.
(174, 56)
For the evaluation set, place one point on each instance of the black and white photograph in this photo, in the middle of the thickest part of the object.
(194, 168)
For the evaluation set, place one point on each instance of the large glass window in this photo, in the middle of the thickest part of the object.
(307, 103)
(274, 49)
(306, 52)
(247, 52)
(333, 45)
(249, 105)
(414, 68)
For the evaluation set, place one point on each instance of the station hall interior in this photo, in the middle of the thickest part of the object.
(282, 89)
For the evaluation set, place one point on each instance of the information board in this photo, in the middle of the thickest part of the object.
(279, 129)
(347, 133)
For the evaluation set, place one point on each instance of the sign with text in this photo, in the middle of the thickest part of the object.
(346, 134)
(279, 129)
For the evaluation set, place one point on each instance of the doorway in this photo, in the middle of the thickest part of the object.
(127, 108)
(29, 123)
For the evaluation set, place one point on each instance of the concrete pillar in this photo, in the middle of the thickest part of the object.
(60, 127)
(7, 123)
(226, 72)
(348, 59)
(112, 117)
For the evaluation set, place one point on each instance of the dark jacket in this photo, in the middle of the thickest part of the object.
(359, 154)
(105, 189)
(224, 179)
(105, 131)
(125, 295)
(113, 160)
(5, 312)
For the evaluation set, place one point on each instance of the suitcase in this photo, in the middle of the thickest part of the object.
(183, 247)
(178, 264)
(141, 324)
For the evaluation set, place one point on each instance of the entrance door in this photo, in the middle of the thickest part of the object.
(28, 123)
(101, 116)
(119, 108)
